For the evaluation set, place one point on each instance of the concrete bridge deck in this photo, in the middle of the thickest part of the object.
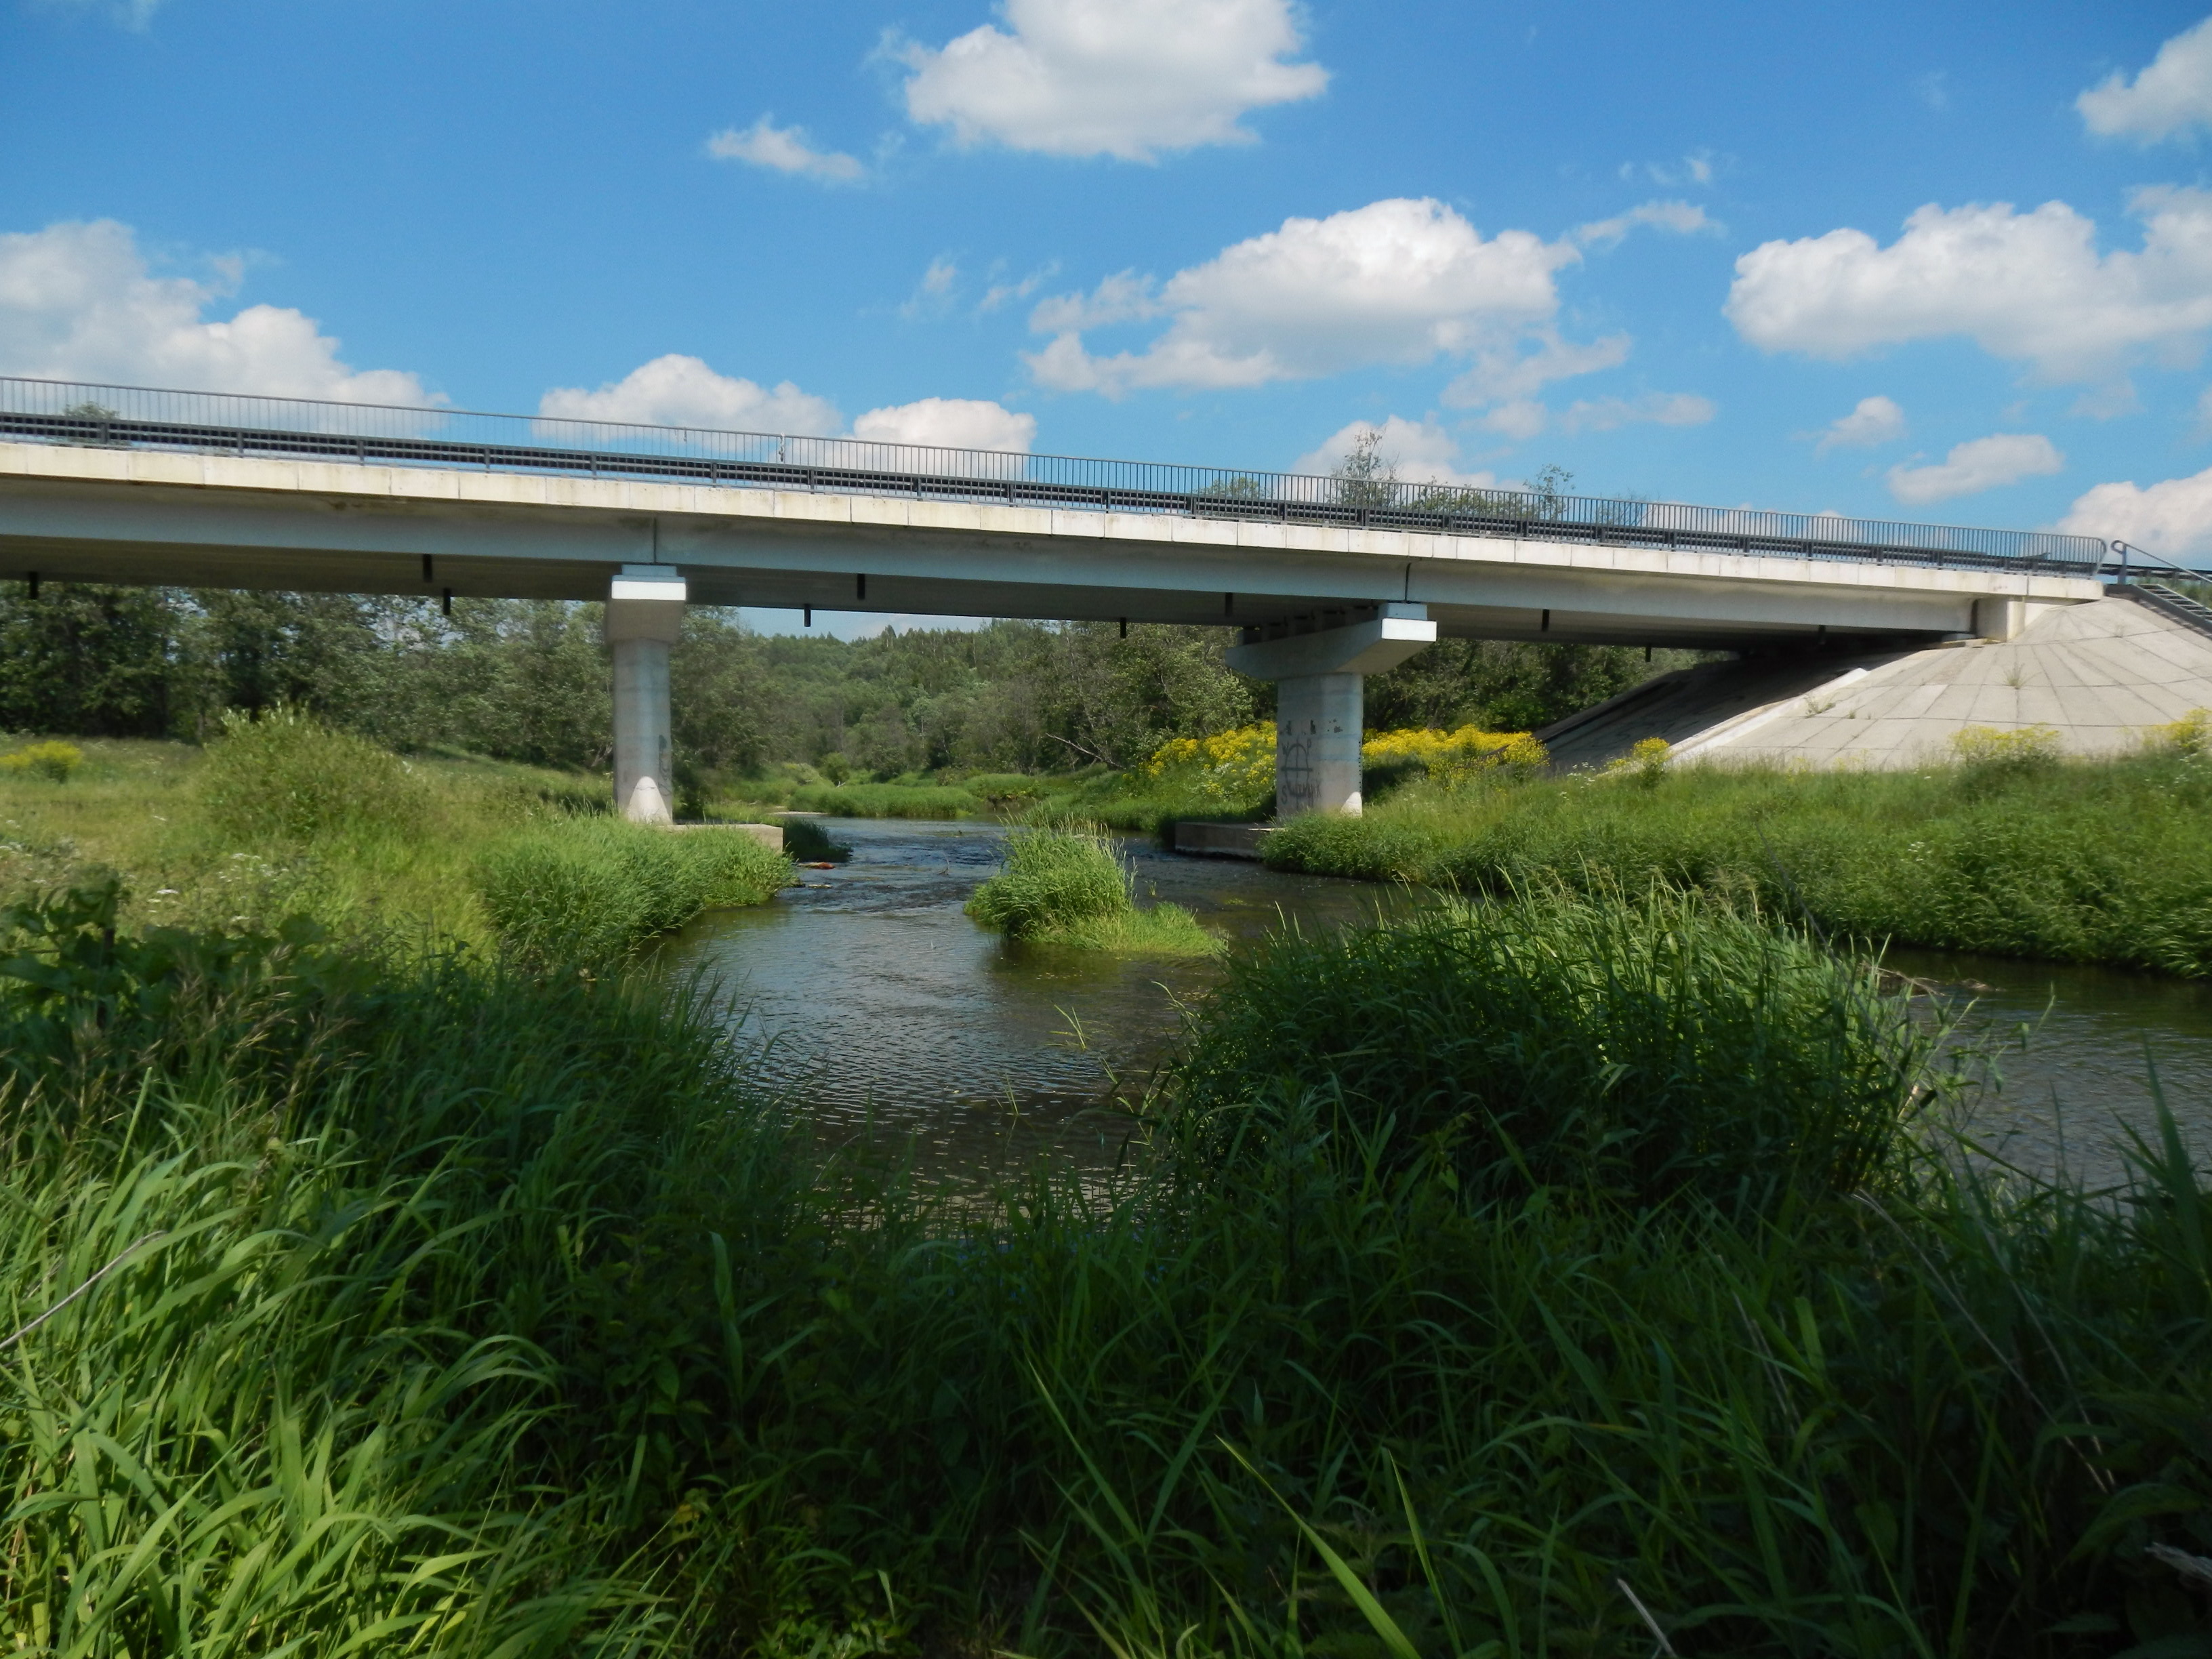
(79, 513)
(1328, 580)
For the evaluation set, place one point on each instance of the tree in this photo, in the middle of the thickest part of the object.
(90, 660)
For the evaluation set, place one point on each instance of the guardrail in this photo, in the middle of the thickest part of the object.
(72, 412)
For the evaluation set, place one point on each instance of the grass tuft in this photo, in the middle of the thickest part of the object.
(592, 891)
(2011, 852)
(1071, 887)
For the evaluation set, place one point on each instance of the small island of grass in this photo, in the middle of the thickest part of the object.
(1070, 887)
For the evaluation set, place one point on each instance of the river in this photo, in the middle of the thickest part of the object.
(884, 1013)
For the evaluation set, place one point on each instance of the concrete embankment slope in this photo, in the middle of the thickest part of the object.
(2098, 674)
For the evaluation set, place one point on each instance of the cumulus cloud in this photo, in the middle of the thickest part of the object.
(78, 303)
(2030, 287)
(2170, 95)
(1418, 452)
(2172, 519)
(1972, 467)
(953, 423)
(783, 149)
(1395, 281)
(680, 391)
(1126, 78)
(1875, 421)
(1683, 218)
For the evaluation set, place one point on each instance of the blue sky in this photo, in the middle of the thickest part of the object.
(1924, 261)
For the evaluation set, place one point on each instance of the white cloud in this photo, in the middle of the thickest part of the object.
(680, 391)
(1395, 281)
(953, 423)
(2172, 519)
(1982, 464)
(1696, 168)
(1681, 217)
(1127, 78)
(783, 149)
(932, 294)
(1654, 409)
(1875, 421)
(2030, 287)
(1504, 372)
(77, 302)
(2172, 94)
(1518, 418)
(133, 15)
(1000, 294)
(1418, 451)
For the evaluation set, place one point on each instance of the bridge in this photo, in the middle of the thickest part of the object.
(1326, 579)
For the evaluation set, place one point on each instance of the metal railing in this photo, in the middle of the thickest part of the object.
(70, 412)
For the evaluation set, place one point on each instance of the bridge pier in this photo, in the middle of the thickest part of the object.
(1320, 664)
(645, 615)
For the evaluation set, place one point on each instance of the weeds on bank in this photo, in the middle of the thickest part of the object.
(487, 1313)
(1072, 888)
(590, 891)
(2013, 851)
(264, 823)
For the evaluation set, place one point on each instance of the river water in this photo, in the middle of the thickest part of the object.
(885, 1013)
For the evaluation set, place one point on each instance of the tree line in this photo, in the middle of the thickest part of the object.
(527, 680)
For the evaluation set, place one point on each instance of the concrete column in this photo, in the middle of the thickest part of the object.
(1317, 737)
(645, 614)
(1999, 619)
(1320, 664)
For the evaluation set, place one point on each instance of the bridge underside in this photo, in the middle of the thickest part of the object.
(1317, 607)
(74, 515)
(317, 571)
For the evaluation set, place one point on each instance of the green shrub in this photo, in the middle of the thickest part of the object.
(52, 760)
(1673, 1044)
(285, 777)
(807, 842)
(590, 891)
(888, 801)
(1071, 887)
(2071, 861)
(1051, 880)
(444, 1310)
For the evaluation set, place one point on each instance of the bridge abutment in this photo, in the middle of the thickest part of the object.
(645, 615)
(1320, 664)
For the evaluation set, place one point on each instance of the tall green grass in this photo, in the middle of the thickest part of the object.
(492, 1313)
(1070, 887)
(1639, 1049)
(592, 890)
(2079, 861)
(889, 801)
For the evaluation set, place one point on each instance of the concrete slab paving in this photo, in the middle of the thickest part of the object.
(2103, 675)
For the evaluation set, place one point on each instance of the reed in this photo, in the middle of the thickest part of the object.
(1071, 887)
(492, 1312)
(2010, 854)
(592, 891)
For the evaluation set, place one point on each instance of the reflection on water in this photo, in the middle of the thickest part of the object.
(889, 1013)
(888, 1010)
(2074, 1051)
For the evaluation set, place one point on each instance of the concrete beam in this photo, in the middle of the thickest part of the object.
(80, 513)
(1370, 645)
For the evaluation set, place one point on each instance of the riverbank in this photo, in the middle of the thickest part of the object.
(282, 817)
(564, 1341)
(2015, 854)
